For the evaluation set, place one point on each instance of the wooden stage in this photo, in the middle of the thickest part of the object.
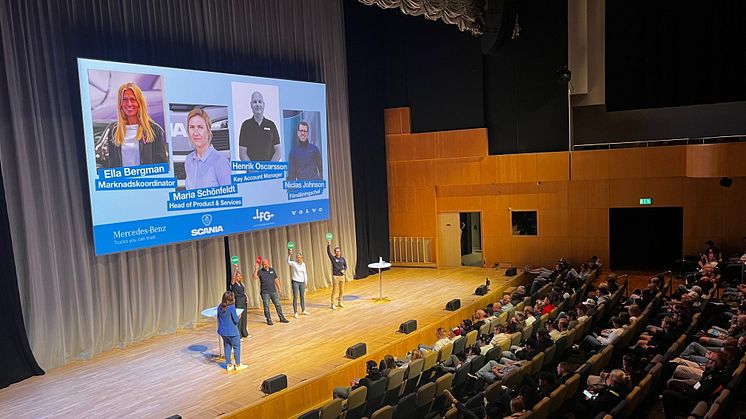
(172, 374)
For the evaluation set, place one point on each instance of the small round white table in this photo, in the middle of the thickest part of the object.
(380, 265)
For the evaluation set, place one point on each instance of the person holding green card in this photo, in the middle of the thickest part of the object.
(299, 279)
(339, 267)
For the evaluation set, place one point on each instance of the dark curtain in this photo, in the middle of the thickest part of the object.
(16, 360)
(365, 78)
(525, 104)
(674, 53)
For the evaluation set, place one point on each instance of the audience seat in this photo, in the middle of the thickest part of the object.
(425, 396)
(332, 409)
(386, 412)
(406, 406)
(356, 402)
(393, 387)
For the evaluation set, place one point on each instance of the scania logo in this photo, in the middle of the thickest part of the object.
(207, 219)
(262, 216)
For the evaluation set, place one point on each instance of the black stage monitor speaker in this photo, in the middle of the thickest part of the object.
(275, 384)
(511, 272)
(408, 326)
(726, 182)
(356, 351)
(453, 305)
(482, 290)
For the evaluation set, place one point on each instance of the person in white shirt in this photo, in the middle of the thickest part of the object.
(442, 340)
(607, 336)
(299, 280)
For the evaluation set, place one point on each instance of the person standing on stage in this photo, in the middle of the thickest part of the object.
(227, 321)
(270, 289)
(339, 267)
(299, 279)
(239, 292)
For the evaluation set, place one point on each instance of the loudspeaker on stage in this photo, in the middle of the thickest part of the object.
(275, 384)
(356, 351)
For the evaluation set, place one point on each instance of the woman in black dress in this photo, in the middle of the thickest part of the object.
(239, 290)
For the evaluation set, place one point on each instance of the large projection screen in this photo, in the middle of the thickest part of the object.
(176, 155)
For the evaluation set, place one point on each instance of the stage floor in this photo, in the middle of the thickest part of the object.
(171, 374)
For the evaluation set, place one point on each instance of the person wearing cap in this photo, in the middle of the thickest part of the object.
(371, 376)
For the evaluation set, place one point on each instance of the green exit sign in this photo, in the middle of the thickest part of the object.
(646, 201)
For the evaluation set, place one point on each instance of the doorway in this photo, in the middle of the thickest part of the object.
(471, 238)
(645, 238)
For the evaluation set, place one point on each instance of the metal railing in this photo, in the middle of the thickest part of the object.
(412, 251)
(660, 143)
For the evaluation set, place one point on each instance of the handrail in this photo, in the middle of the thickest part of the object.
(664, 142)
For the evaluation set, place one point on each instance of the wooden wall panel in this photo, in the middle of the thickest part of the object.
(553, 222)
(625, 192)
(736, 159)
(665, 192)
(665, 161)
(589, 194)
(589, 165)
(627, 163)
(553, 166)
(706, 160)
(553, 195)
(573, 200)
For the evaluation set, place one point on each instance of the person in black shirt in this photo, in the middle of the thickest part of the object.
(607, 397)
(258, 139)
(373, 374)
(339, 267)
(682, 397)
(270, 289)
(239, 291)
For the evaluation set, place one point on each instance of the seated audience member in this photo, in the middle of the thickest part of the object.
(501, 337)
(517, 408)
(612, 283)
(528, 312)
(518, 295)
(605, 398)
(372, 375)
(528, 351)
(543, 386)
(658, 339)
(680, 399)
(507, 305)
(480, 316)
(602, 293)
(634, 312)
(608, 336)
(441, 336)
(494, 371)
(564, 372)
(551, 328)
(388, 365)
(718, 335)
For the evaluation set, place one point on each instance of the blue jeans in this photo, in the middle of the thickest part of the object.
(275, 297)
(299, 290)
(232, 342)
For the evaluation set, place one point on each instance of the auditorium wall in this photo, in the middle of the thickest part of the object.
(451, 171)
